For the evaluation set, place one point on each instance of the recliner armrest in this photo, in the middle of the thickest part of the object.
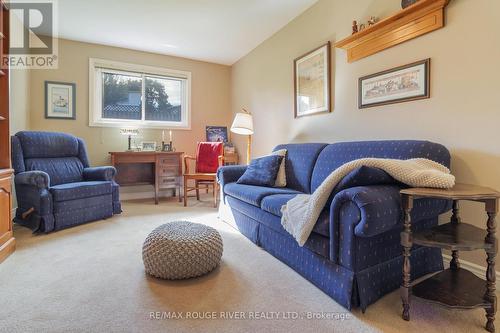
(230, 173)
(39, 179)
(104, 173)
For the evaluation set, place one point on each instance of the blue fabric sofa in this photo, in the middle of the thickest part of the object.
(354, 253)
(53, 176)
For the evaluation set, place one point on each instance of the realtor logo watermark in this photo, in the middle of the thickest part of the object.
(33, 35)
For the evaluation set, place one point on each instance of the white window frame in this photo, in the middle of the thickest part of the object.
(96, 66)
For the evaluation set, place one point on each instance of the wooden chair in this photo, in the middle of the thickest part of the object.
(209, 157)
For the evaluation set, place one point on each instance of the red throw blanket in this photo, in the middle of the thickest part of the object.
(207, 156)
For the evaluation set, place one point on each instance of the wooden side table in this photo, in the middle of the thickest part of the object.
(231, 158)
(454, 287)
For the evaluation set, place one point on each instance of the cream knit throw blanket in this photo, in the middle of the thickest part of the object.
(301, 213)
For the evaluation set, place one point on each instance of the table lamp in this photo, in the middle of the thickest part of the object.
(129, 132)
(243, 124)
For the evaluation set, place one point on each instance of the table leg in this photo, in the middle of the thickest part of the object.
(406, 242)
(491, 208)
(197, 190)
(216, 190)
(157, 194)
(455, 219)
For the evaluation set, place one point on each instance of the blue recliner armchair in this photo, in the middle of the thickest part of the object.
(55, 186)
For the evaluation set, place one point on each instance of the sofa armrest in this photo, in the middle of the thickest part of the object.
(104, 173)
(376, 209)
(381, 209)
(38, 179)
(230, 173)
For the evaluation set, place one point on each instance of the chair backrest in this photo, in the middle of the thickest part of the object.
(62, 156)
(207, 156)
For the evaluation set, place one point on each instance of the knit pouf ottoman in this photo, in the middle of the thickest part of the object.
(181, 250)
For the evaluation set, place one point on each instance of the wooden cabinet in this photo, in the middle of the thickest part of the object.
(231, 158)
(7, 241)
(169, 172)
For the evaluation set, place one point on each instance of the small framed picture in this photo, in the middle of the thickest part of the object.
(60, 100)
(217, 134)
(401, 84)
(148, 146)
(312, 82)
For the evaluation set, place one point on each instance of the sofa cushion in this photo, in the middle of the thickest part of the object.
(262, 171)
(60, 170)
(80, 190)
(299, 164)
(316, 243)
(337, 154)
(273, 203)
(253, 194)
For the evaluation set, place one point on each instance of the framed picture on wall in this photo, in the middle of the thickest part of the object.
(60, 100)
(312, 82)
(401, 84)
(217, 134)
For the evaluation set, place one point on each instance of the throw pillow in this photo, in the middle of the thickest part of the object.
(281, 177)
(261, 171)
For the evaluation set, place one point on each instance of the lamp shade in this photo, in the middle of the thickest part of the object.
(242, 124)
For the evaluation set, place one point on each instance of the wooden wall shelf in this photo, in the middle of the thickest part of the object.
(418, 19)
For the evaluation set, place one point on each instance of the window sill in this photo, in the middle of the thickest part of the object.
(125, 124)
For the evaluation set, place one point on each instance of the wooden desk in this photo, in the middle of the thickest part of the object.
(160, 169)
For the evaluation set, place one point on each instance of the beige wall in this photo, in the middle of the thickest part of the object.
(19, 100)
(463, 112)
(210, 100)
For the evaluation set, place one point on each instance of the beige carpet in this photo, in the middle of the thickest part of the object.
(91, 279)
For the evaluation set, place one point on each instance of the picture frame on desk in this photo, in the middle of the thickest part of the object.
(148, 146)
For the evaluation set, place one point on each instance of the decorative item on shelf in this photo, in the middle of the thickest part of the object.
(354, 27)
(312, 82)
(60, 100)
(406, 3)
(243, 125)
(216, 134)
(372, 20)
(130, 133)
(229, 148)
(148, 145)
(401, 84)
(421, 18)
(362, 27)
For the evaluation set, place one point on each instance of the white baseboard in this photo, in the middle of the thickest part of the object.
(476, 269)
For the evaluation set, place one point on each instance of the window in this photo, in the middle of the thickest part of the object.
(126, 95)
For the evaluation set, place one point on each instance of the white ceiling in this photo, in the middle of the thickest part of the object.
(220, 31)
